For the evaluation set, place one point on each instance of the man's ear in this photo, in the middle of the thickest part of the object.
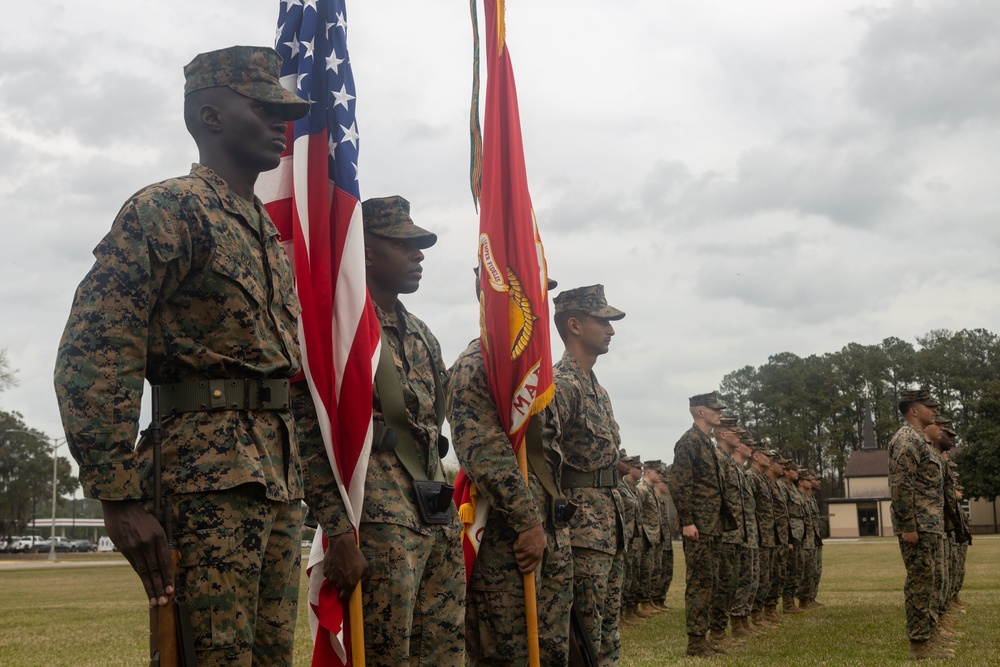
(573, 326)
(210, 120)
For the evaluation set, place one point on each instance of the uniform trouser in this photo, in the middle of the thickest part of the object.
(414, 599)
(239, 572)
(920, 589)
(666, 572)
(963, 550)
(766, 556)
(495, 626)
(943, 563)
(791, 574)
(817, 569)
(807, 573)
(954, 552)
(777, 575)
(701, 559)
(649, 568)
(597, 585)
(631, 591)
(725, 590)
(746, 587)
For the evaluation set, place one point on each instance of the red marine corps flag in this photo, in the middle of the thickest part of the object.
(313, 198)
(514, 312)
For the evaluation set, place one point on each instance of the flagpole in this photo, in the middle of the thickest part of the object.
(357, 616)
(530, 597)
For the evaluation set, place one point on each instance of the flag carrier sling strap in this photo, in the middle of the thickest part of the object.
(434, 496)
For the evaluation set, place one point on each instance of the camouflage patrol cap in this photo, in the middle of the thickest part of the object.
(945, 425)
(589, 300)
(252, 71)
(791, 465)
(389, 217)
(633, 461)
(922, 396)
(729, 423)
(653, 465)
(710, 400)
(664, 469)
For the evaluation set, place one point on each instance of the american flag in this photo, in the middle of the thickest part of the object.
(314, 200)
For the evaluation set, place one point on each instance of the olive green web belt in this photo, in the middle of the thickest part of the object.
(605, 478)
(225, 394)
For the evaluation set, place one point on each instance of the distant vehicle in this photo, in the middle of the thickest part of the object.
(26, 543)
(105, 544)
(7, 543)
(63, 545)
(83, 545)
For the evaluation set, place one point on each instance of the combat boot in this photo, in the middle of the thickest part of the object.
(641, 612)
(773, 616)
(927, 651)
(660, 606)
(757, 631)
(719, 638)
(758, 619)
(698, 646)
(628, 618)
(737, 629)
(788, 606)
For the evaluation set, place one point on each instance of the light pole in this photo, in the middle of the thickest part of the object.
(55, 480)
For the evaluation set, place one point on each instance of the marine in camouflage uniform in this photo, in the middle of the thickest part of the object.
(760, 485)
(731, 544)
(668, 526)
(917, 510)
(807, 548)
(781, 537)
(788, 484)
(414, 595)
(749, 573)
(590, 445)
(818, 526)
(696, 486)
(649, 528)
(192, 292)
(629, 467)
(520, 512)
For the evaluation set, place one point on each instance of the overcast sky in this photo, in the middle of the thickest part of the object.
(745, 178)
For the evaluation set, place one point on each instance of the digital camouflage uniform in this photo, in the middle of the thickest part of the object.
(916, 487)
(942, 562)
(781, 541)
(652, 550)
(590, 443)
(807, 552)
(764, 508)
(495, 629)
(818, 551)
(796, 532)
(189, 285)
(749, 576)
(696, 489)
(731, 544)
(415, 597)
(667, 526)
(633, 540)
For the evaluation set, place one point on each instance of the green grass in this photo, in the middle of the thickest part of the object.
(97, 616)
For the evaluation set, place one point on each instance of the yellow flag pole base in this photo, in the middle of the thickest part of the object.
(357, 615)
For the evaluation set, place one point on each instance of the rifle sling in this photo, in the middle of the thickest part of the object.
(536, 457)
(390, 393)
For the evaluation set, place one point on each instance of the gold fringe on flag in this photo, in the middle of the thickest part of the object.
(475, 129)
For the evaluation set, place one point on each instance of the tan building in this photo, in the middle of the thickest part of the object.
(865, 510)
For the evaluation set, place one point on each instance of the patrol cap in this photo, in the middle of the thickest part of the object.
(654, 465)
(922, 396)
(389, 217)
(589, 300)
(252, 71)
(791, 465)
(729, 423)
(945, 425)
(710, 400)
(633, 461)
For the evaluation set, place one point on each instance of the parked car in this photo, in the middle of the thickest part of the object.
(83, 545)
(7, 543)
(26, 543)
(105, 544)
(63, 545)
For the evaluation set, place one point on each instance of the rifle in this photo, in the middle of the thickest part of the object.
(581, 651)
(171, 640)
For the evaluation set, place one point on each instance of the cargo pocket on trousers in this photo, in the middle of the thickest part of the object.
(378, 616)
(209, 563)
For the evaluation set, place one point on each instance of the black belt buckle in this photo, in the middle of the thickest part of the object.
(434, 500)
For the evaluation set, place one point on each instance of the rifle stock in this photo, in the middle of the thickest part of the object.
(171, 641)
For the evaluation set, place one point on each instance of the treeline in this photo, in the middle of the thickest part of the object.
(813, 408)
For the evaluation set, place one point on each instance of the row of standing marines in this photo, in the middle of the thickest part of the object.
(192, 292)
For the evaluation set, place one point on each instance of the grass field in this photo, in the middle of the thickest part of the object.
(96, 616)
